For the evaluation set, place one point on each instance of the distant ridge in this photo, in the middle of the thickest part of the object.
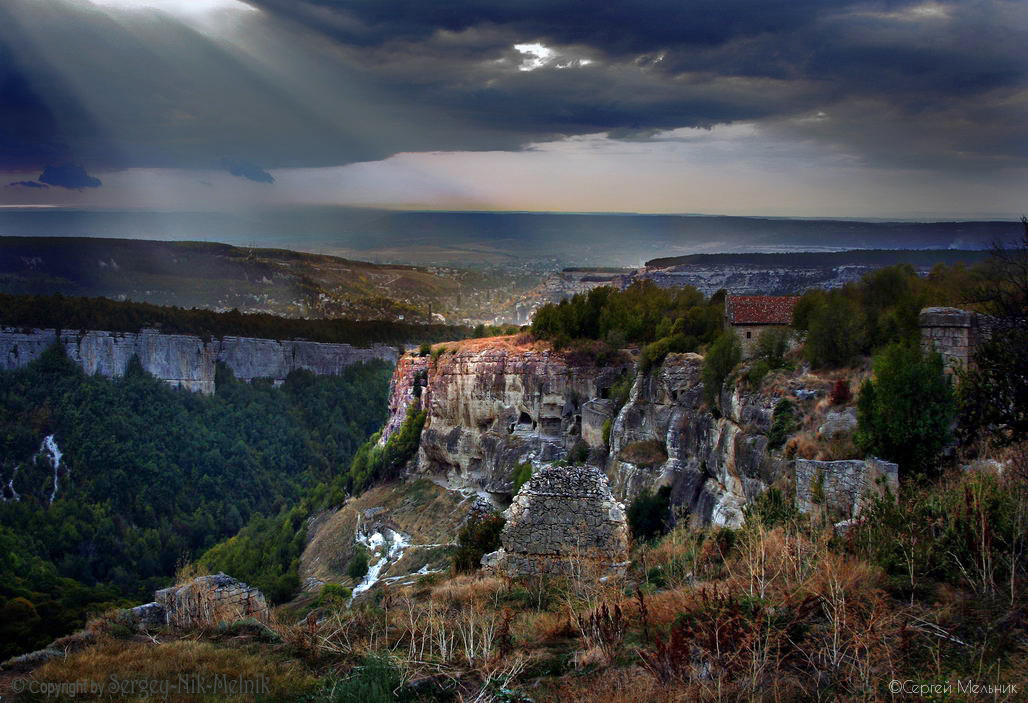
(813, 259)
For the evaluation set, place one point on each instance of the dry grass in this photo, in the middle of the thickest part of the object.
(203, 661)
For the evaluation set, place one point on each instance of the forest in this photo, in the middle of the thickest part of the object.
(60, 312)
(151, 477)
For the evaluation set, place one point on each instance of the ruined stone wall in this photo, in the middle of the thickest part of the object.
(842, 487)
(563, 520)
(185, 360)
(953, 333)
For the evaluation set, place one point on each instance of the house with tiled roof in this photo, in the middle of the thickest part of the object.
(749, 316)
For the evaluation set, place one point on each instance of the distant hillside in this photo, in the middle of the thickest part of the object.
(60, 312)
(853, 257)
(219, 276)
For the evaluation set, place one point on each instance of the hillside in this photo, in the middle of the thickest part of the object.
(220, 277)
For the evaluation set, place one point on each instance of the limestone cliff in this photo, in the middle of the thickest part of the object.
(493, 404)
(185, 360)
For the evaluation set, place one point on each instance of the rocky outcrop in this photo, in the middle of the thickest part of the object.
(208, 600)
(714, 465)
(493, 404)
(563, 521)
(184, 360)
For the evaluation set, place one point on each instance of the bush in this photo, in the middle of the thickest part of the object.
(649, 515)
(332, 594)
(904, 414)
(772, 345)
(358, 567)
(607, 425)
(425, 349)
(784, 422)
(479, 536)
(771, 508)
(835, 334)
(721, 358)
(520, 476)
(841, 392)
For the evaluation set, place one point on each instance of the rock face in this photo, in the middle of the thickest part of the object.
(714, 465)
(839, 424)
(563, 519)
(842, 487)
(185, 360)
(494, 405)
(208, 600)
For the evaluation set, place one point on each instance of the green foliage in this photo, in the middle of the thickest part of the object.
(425, 349)
(785, 421)
(835, 332)
(770, 508)
(621, 389)
(375, 680)
(880, 309)
(156, 475)
(376, 462)
(520, 475)
(756, 373)
(607, 425)
(905, 413)
(333, 595)
(358, 567)
(479, 536)
(641, 314)
(722, 357)
(649, 515)
(966, 530)
(58, 311)
(772, 345)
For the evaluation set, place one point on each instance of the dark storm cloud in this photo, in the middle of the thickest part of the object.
(70, 176)
(28, 184)
(245, 169)
(908, 84)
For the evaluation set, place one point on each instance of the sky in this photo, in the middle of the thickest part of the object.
(811, 108)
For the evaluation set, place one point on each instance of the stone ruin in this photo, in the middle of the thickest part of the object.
(563, 521)
(205, 600)
(954, 333)
(842, 487)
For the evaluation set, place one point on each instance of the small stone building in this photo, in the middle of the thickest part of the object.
(749, 316)
(563, 521)
(952, 332)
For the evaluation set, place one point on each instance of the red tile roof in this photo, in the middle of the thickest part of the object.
(760, 309)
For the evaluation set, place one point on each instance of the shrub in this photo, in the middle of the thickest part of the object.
(520, 475)
(904, 413)
(835, 334)
(479, 536)
(646, 452)
(332, 594)
(358, 567)
(771, 508)
(425, 349)
(649, 515)
(607, 425)
(721, 358)
(756, 373)
(841, 392)
(784, 423)
(772, 345)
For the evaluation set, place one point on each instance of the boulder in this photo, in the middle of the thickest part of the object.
(842, 487)
(838, 424)
(208, 600)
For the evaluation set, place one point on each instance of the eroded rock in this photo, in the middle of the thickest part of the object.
(207, 600)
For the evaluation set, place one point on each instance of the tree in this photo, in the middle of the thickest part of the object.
(836, 330)
(721, 358)
(994, 390)
(905, 413)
